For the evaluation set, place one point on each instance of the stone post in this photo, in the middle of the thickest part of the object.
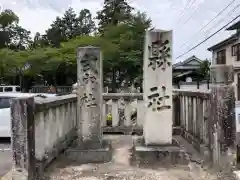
(23, 139)
(158, 87)
(90, 94)
(222, 118)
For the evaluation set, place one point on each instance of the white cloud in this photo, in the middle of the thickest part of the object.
(37, 15)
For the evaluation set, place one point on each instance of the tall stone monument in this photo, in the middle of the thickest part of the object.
(90, 93)
(157, 146)
(157, 87)
(89, 148)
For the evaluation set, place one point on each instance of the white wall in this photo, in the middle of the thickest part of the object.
(237, 115)
(230, 60)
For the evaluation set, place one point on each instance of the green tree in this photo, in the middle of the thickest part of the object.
(113, 13)
(204, 71)
(85, 23)
(121, 43)
(7, 20)
(55, 34)
(126, 63)
(39, 41)
(70, 26)
(20, 39)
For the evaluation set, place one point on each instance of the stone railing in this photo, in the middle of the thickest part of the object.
(130, 120)
(126, 110)
(191, 115)
(207, 121)
(45, 89)
(42, 129)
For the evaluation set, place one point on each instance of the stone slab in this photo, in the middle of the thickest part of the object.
(133, 130)
(87, 153)
(89, 156)
(158, 155)
(126, 130)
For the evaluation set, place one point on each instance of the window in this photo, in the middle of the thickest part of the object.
(221, 57)
(5, 102)
(1, 89)
(236, 51)
(18, 89)
(8, 89)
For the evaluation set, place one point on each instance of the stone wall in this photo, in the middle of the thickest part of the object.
(41, 129)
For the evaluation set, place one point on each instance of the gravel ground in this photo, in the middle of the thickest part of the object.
(120, 169)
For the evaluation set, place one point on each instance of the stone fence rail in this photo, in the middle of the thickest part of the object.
(45, 89)
(44, 127)
(191, 113)
(207, 121)
(127, 111)
(41, 129)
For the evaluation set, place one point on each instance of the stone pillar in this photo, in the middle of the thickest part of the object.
(90, 93)
(222, 118)
(158, 87)
(23, 139)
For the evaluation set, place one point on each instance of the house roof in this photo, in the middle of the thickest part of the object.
(187, 62)
(227, 41)
(234, 26)
(181, 74)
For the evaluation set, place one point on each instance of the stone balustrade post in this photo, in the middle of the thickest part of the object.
(23, 139)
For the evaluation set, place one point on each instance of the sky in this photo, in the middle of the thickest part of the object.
(185, 21)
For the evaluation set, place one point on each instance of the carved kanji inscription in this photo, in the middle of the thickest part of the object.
(157, 101)
(160, 55)
(89, 99)
(87, 62)
(88, 77)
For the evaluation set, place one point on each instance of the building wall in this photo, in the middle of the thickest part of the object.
(230, 60)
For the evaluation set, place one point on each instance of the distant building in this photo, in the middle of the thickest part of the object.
(185, 72)
(228, 52)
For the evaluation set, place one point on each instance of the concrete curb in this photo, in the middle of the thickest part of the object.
(7, 176)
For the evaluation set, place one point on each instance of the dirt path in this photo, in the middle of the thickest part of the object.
(120, 169)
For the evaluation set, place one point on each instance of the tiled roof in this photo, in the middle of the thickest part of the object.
(186, 61)
(227, 41)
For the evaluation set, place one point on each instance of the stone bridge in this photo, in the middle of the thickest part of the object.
(176, 134)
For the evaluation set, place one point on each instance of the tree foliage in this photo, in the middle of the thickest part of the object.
(70, 26)
(52, 56)
(204, 71)
(113, 13)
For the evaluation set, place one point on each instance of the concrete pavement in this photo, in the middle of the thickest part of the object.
(5, 158)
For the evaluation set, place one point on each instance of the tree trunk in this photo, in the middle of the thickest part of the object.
(113, 80)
